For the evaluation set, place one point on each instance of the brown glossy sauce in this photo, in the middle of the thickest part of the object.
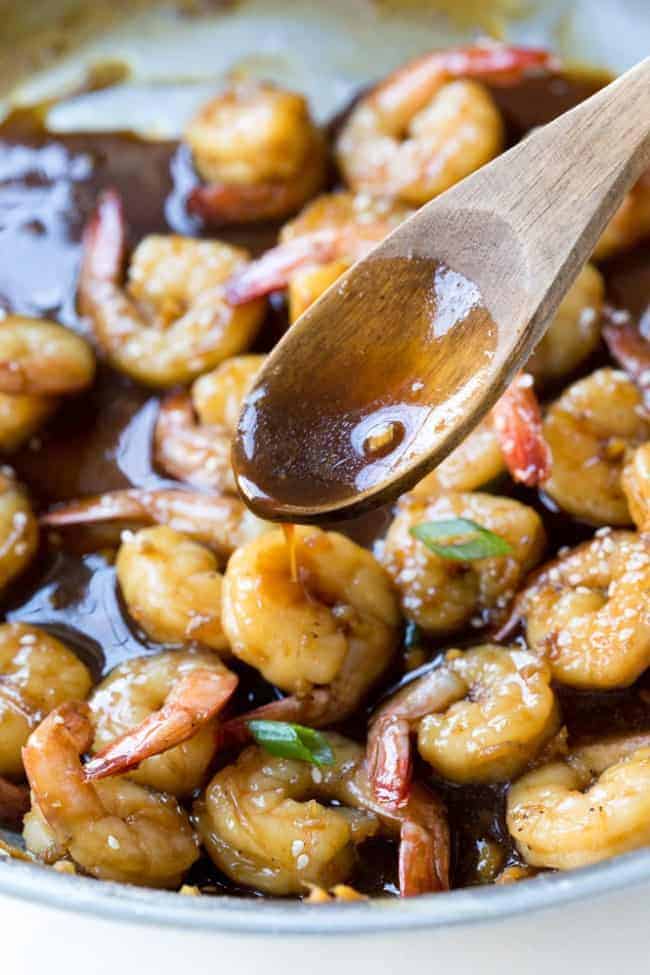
(313, 440)
(102, 439)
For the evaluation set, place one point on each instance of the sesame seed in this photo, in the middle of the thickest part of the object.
(113, 842)
(302, 861)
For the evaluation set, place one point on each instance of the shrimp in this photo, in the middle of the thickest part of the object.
(481, 716)
(593, 805)
(636, 486)
(588, 612)
(262, 824)
(574, 333)
(155, 718)
(171, 587)
(38, 357)
(629, 346)
(508, 438)
(172, 322)
(443, 596)
(18, 529)
(114, 830)
(37, 673)
(259, 152)
(429, 124)
(193, 433)
(589, 430)
(629, 225)
(221, 523)
(325, 636)
(330, 234)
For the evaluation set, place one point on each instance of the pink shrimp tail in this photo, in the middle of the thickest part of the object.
(219, 204)
(518, 423)
(194, 701)
(104, 241)
(273, 270)
(390, 765)
(314, 710)
(631, 350)
(423, 859)
(500, 64)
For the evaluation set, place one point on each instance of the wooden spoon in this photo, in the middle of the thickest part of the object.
(392, 367)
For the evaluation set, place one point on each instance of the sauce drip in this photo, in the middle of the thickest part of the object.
(313, 440)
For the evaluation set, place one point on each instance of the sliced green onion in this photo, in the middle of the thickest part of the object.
(476, 542)
(286, 740)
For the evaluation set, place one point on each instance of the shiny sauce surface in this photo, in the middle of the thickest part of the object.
(316, 437)
(102, 440)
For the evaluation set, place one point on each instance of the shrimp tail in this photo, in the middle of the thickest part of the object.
(272, 271)
(518, 424)
(390, 764)
(423, 858)
(221, 204)
(631, 350)
(112, 506)
(195, 700)
(314, 710)
(103, 242)
(14, 802)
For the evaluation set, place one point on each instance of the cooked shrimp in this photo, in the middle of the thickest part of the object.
(259, 152)
(37, 673)
(442, 595)
(324, 637)
(330, 234)
(589, 430)
(629, 225)
(588, 612)
(429, 124)
(221, 523)
(593, 805)
(262, 824)
(636, 486)
(629, 346)
(155, 717)
(574, 333)
(509, 437)
(43, 358)
(114, 830)
(481, 716)
(171, 587)
(18, 528)
(172, 322)
(193, 434)
(21, 417)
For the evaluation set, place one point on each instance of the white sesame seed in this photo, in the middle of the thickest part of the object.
(297, 847)
(302, 861)
(113, 842)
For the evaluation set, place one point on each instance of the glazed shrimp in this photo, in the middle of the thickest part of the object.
(593, 805)
(259, 152)
(330, 234)
(474, 463)
(154, 718)
(443, 596)
(172, 321)
(18, 529)
(262, 823)
(21, 417)
(589, 430)
(221, 523)
(114, 830)
(481, 716)
(629, 225)
(324, 637)
(636, 486)
(588, 612)
(193, 433)
(430, 124)
(43, 358)
(171, 587)
(37, 673)
(574, 333)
